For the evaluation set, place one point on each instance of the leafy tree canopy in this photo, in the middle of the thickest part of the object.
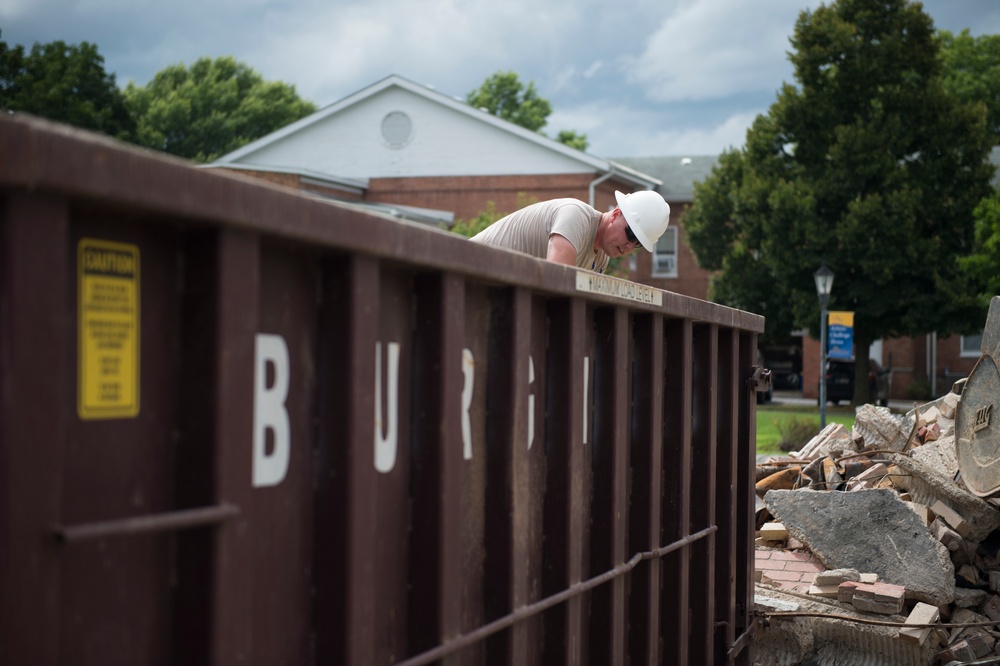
(867, 164)
(66, 83)
(983, 265)
(972, 72)
(485, 218)
(212, 108)
(503, 95)
(573, 139)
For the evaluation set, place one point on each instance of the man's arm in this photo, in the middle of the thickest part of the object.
(560, 250)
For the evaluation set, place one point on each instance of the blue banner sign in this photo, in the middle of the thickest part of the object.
(840, 335)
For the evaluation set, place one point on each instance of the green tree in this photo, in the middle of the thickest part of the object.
(982, 266)
(485, 218)
(972, 71)
(869, 165)
(212, 108)
(503, 95)
(573, 140)
(66, 83)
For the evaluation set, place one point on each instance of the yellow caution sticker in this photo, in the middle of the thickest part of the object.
(108, 311)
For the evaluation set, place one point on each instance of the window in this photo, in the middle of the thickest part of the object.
(971, 346)
(665, 255)
(397, 129)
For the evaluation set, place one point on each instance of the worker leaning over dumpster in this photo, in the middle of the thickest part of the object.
(568, 231)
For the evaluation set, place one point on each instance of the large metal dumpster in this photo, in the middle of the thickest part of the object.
(240, 425)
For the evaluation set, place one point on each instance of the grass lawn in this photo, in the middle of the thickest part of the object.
(799, 422)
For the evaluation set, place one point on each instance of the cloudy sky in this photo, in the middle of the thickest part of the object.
(638, 77)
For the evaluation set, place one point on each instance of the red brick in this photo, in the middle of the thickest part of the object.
(794, 576)
(879, 598)
(791, 555)
(774, 565)
(845, 591)
(811, 567)
(763, 554)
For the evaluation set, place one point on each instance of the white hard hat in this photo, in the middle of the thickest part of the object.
(647, 215)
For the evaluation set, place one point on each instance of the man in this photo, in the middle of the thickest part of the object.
(568, 231)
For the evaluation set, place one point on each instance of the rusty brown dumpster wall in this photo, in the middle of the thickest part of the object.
(353, 440)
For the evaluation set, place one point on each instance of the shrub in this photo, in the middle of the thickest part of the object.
(796, 433)
(919, 390)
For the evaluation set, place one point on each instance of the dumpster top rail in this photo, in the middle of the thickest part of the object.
(48, 157)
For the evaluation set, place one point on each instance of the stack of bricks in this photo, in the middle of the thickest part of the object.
(791, 570)
(875, 597)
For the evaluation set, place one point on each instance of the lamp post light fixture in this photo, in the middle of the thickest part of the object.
(824, 283)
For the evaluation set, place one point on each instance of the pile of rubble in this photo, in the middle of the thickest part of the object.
(912, 557)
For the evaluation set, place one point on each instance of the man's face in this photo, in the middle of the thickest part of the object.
(616, 242)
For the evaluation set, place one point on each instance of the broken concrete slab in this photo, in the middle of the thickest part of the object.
(825, 638)
(926, 486)
(848, 530)
(969, 598)
(882, 430)
(938, 456)
(833, 438)
(836, 576)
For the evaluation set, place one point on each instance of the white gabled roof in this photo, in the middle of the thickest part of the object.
(343, 143)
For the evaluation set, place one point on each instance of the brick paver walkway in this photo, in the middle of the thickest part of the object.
(789, 569)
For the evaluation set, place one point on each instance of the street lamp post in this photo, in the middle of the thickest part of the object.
(824, 283)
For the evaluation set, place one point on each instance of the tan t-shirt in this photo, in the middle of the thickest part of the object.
(528, 231)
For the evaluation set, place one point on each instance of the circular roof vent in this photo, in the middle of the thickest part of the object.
(397, 129)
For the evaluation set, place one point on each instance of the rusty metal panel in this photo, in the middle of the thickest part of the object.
(727, 494)
(745, 480)
(281, 509)
(117, 468)
(513, 449)
(704, 431)
(394, 355)
(357, 441)
(646, 487)
(219, 284)
(609, 458)
(346, 607)
(34, 378)
(675, 593)
(438, 459)
(567, 485)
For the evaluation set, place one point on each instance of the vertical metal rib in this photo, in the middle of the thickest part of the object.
(703, 479)
(675, 596)
(725, 492)
(35, 373)
(647, 488)
(436, 565)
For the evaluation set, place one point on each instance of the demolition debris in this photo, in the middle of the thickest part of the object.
(882, 545)
(908, 557)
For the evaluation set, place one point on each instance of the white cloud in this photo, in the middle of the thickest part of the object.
(720, 53)
(337, 49)
(622, 132)
(593, 69)
(715, 48)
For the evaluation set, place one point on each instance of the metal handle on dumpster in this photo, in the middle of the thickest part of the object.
(158, 522)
